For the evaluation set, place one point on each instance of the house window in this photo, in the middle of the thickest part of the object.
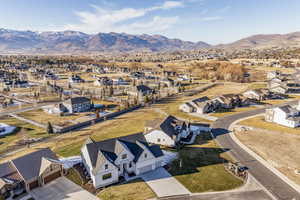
(130, 165)
(124, 156)
(158, 139)
(106, 176)
(106, 166)
(145, 155)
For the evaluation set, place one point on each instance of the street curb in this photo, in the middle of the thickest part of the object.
(260, 159)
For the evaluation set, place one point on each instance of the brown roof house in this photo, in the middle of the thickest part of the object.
(28, 172)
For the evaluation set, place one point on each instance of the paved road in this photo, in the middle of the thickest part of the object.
(62, 189)
(20, 110)
(275, 185)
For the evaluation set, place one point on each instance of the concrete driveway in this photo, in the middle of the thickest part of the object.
(163, 184)
(62, 189)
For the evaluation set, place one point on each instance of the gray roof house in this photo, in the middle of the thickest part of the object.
(28, 172)
(78, 104)
(106, 161)
(171, 131)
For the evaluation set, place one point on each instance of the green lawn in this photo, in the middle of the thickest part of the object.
(134, 190)
(202, 167)
(259, 122)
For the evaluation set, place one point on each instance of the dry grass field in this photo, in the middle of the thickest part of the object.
(280, 149)
(133, 190)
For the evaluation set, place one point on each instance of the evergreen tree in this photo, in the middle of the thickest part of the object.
(49, 128)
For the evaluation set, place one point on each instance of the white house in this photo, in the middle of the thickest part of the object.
(106, 161)
(200, 105)
(284, 115)
(171, 131)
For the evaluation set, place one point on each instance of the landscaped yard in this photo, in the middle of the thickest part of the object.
(259, 122)
(134, 190)
(203, 167)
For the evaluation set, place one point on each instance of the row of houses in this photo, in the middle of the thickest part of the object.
(106, 162)
(228, 101)
(206, 105)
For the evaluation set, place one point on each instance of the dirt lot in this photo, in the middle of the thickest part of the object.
(280, 149)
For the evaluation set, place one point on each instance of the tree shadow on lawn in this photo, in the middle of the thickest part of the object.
(191, 159)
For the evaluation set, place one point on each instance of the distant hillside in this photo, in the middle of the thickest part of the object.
(266, 41)
(71, 41)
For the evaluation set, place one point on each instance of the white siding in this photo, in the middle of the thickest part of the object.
(159, 137)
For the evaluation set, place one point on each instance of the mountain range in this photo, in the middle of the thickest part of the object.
(13, 41)
(73, 41)
(266, 41)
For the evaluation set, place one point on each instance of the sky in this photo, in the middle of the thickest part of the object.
(211, 21)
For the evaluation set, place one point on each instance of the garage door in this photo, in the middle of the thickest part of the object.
(51, 177)
(158, 164)
(145, 169)
(33, 185)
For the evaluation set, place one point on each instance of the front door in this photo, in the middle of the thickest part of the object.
(124, 167)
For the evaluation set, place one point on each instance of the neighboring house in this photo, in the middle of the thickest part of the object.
(106, 161)
(279, 89)
(103, 81)
(75, 79)
(167, 82)
(284, 115)
(55, 109)
(28, 172)
(120, 81)
(16, 84)
(200, 105)
(77, 104)
(228, 101)
(273, 74)
(170, 131)
(140, 90)
(258, 94)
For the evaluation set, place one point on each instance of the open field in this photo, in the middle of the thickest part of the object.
(133, 190)
(232, 111)
(259, 122)
(35, 115)
(266, 69)
(280, 149)
(29, 131)
(203, 167)
(227, 88)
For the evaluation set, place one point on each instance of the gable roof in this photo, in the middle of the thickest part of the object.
(109, 149)
(29, 165)
(78, 100)
(143, 88)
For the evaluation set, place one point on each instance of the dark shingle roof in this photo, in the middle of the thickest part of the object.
(111, 147)
(79, 100)
(143, 88)
(29, 165)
